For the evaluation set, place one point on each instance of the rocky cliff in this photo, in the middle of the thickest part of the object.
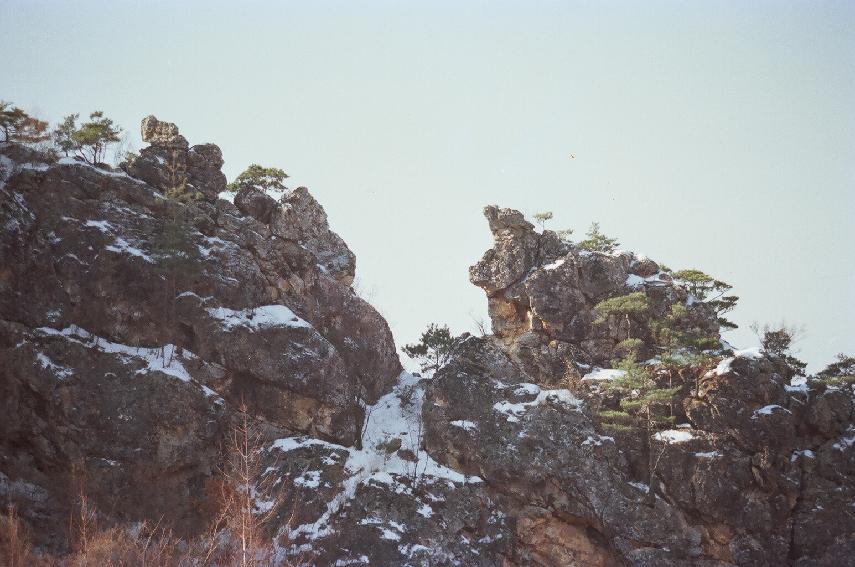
(122, 370)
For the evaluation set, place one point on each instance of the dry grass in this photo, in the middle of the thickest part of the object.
(237, 534)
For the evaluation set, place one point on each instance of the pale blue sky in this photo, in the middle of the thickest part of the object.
(717, 135)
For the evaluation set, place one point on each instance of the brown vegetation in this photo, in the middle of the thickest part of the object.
(247, 499)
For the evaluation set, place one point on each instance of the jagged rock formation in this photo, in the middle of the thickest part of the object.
(104, 368)
(539, 291)
(745, 479)
(110, 376)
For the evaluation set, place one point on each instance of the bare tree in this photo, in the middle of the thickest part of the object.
(245, 509)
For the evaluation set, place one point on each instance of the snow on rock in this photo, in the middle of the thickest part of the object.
(464, 424)
(597, 440)
(845, 442)
(390, 418)
(61, 372)
(527, 389)
(708, 454)
(603, 374)
(798, 384)
(513, 411)
(554, 265)
(671, 436)
(802, 453)
(753, 353)
(166, 360)
(101, 225)
(309, 479)
(121, 246)
(78, 163)
(750, 353)
(768, 410)
(258, 317)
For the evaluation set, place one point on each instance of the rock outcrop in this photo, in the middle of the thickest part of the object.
(121, 369)
(114, 366)
(744, 478)
(541, 289)
(170, 162)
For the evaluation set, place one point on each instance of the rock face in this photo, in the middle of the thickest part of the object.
(132, 326)
(745, 477)
(117, 366)
(541, 289)
(170, 162)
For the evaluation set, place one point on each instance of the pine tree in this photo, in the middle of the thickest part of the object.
(777, 341)
(565, 234)
(679, 341)
(90, 140)
(597, 241)
(840, 373)
(624, 306)
(177, 258)
(178, 190)
(18, 126)
(263, 178)
(63, 135)
(642, 402)
(541, 218)
(433, 349)
(711, 291)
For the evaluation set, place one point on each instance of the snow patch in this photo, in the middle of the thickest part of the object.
(513, 411)
(309, 479)
(797, 384)
(597, 440)
(802, 453)
(671, 436)
(750, 353)
(603, 374)
(121, 246)
(390, 418)
(261, 317)
(708, 455)
(61, 372)
(464, 424)
(768, 410)
(166, 360)
(101, 225)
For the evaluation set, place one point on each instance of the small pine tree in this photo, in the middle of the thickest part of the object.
(433, 349)
(679, 342)
(18, 126)
(263, 178)
(597, 241)
(541, 218)
(565, 234)
(840, 373)
(641, 398)
(177, 258)
(712, 292)
(178, 190)
(63, 135)
(90, 140)
(777, 341)
(624, 305)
